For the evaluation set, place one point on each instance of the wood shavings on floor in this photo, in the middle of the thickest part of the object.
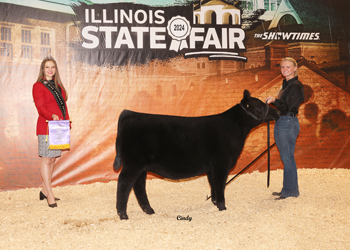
(86, 217)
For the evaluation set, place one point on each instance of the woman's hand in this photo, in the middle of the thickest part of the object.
(55, 117)
(270, 99)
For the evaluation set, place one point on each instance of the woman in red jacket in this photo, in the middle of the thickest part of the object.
(50, 98)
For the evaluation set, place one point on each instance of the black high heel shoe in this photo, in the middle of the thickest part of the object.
(42, 196)
(52, 205)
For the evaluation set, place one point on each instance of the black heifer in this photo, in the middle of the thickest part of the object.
(181, 147)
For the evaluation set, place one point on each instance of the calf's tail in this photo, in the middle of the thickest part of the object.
(117, 162)
(118, 159)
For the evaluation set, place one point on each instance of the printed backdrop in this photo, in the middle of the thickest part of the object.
(176, 57)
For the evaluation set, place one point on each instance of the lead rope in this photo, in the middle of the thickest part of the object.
(257, 158)
(268, 154)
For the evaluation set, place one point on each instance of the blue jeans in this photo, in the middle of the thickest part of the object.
(286, 131)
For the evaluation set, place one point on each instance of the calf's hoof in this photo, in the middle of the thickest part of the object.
(222, 207)
(123, 216)
(148, 210)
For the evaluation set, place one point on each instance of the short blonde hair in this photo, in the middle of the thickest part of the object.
(292, 60)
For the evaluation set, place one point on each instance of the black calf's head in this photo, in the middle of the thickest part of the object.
(257, 109)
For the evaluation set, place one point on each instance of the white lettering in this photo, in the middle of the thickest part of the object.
(86, 35)
(93, 17)
(224, 38)
(304, 36)
(87, 15)
(209, 41)
(104, 15)
(286, 36)
(108, 31)
(124, 32)
(140, 12)
(139, 31)
(194, 38)
(154, 38)
(124, 15)
(159, 15)
(115, 16)
(271, 36)
(278, 35)
(150, 16)
(233, 39)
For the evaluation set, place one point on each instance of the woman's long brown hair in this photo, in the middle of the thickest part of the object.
(57, 78)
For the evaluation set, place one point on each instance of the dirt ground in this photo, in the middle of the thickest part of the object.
(86, 217)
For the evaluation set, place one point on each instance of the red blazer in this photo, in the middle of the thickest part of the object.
(46, 105)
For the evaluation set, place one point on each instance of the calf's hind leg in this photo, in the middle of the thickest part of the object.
(126, 181)
(141, 195)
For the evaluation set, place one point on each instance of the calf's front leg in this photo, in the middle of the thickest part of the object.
(212, 191)
(219, 182)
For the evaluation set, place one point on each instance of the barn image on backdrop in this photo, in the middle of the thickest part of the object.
(176, 86)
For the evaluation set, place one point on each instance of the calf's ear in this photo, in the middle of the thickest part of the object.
(246, 94)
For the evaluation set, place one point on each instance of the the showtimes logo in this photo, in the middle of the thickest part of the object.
(298, 36)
